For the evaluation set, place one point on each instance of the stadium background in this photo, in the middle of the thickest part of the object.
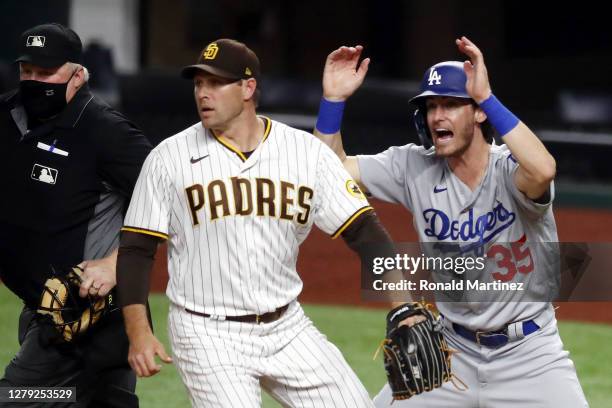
(550, 67)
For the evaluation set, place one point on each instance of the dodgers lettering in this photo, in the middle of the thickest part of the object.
(485, 228)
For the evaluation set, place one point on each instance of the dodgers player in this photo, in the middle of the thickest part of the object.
(509, 352)
(235, 196)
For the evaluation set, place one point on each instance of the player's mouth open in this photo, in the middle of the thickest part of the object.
(206, 109)
(443, 134)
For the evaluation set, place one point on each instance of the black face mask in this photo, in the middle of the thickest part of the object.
(43, 100)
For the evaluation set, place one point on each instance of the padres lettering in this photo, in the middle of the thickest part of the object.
(243, 196)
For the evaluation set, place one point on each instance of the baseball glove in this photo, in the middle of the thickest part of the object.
(416, 358)
(71, 315)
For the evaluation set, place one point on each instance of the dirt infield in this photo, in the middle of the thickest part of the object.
(330, 270)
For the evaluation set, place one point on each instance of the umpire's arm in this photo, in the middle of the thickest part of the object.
(134, 265)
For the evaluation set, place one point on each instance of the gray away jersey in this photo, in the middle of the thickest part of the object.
(445, 210)
(234, 224)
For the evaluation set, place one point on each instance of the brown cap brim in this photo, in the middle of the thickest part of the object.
(189, 71)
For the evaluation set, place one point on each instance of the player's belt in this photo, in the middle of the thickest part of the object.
(250, 318)
(498, 338)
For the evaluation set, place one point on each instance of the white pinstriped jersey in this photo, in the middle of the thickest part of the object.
(234, 224)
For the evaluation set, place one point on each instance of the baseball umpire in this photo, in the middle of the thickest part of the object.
(468, 193)
(68, 169)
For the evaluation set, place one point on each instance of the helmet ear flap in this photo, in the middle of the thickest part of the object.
(420, 123)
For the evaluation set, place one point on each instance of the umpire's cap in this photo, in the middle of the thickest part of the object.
(50, 45)
(443, 79)
(225, 58)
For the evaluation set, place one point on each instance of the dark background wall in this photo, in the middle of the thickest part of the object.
(535, 51)
(527, 44)
(529, 40)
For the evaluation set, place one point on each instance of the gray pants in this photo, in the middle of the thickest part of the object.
(532, 372)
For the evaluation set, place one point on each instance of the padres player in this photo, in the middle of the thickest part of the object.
(467, 191)
(234, 196)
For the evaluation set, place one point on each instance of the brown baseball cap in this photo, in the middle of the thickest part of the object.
(225, 58)
(50, 45)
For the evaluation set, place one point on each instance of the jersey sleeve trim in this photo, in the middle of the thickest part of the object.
(350, 221)
(146, 232)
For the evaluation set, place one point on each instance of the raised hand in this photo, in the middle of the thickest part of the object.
(343, 74)
(477, 85)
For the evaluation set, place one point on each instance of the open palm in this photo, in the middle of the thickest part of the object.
(343, 73)
(477, 85)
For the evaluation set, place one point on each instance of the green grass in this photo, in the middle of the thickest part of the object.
(590, 348)
(357, 333)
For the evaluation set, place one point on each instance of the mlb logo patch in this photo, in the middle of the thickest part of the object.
(35, 41)
(44, 174)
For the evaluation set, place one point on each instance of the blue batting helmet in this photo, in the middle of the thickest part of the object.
(443, 79)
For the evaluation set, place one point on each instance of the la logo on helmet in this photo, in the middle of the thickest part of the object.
(434, 76)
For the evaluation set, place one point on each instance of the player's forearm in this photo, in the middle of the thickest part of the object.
(136, 321)
(366, 235)
(134, 265)
(334, 141)
(327, 129)
(537, 167)
(329, 120)
(531, 154)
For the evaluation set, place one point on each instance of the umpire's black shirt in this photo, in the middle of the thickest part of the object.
(64, 187)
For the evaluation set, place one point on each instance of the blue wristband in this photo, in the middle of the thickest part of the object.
(500, 117)
(330, 116)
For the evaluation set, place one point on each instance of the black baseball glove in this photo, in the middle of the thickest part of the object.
(417, 358)
(71, 315)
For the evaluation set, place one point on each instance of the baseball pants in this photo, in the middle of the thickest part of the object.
(533, 372)
(96, 364)
(225, 363)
